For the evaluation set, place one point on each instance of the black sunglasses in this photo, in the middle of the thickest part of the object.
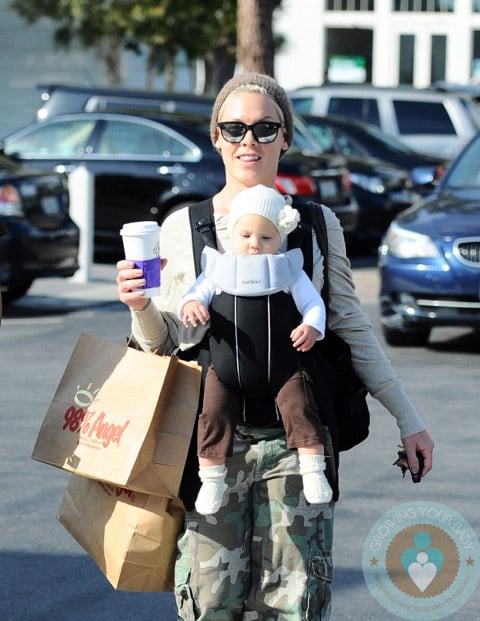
(263, 131)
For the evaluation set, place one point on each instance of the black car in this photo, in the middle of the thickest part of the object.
(424, 170)
(69, 98)
(381, 189)
(146, 167)
(42, 240)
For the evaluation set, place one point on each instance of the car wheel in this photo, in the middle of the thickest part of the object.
(406, 338)
(11, 291)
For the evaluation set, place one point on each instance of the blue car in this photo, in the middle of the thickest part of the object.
(429, 259)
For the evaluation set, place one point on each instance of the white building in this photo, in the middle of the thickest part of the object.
(385, 42)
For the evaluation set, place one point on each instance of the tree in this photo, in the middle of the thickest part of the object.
(99, 25)
(162, 27)
(255, 41)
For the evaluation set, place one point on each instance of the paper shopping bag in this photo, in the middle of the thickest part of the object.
(131, 536)
(123, 416)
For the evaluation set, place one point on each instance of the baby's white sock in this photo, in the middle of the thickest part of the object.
(213, 487)
(315, 485)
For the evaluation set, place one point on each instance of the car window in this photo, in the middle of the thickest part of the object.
(324, 136)
(129, 138)
(348, 146)
(466, 172)
(303, 139)
(66, 137)
(362, 109)
(302, 105)
(422, 117)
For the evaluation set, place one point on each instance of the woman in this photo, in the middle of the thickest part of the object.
(266, 554)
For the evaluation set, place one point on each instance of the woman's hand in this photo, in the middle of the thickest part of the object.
(129, 283)
(422, 443)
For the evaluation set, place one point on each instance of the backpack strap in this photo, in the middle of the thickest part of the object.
(317, 218)
(202, 225)
(311, 216)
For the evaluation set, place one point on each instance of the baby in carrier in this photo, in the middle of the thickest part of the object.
(263, 312)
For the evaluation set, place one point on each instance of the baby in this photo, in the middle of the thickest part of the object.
(263, 311)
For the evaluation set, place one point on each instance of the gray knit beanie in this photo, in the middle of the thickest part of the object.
(242, 82)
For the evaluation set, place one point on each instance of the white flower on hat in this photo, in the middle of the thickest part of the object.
(288, 219)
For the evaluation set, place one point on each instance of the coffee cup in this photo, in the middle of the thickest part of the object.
(141, 242)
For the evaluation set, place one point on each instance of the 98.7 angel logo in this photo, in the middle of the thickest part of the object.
(95, 427)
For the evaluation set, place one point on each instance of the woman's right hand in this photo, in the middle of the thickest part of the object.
(129, 281)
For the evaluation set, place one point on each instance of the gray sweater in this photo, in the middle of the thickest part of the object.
(158, 327)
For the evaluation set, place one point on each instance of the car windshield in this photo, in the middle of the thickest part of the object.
(324, 136)
(387, 139)
(465, 172)
(303, 140)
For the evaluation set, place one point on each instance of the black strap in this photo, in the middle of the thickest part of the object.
(312, 216)
(317, 219)
(202, 225)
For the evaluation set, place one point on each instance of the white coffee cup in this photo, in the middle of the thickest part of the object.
(141, 241)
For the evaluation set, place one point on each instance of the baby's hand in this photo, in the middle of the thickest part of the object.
(304, 337)
(193, 311)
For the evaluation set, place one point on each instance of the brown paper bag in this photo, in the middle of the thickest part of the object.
(122, 416)
(131, 536)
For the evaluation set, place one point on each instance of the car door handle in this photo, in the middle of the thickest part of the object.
(65, 168)
(176, 169)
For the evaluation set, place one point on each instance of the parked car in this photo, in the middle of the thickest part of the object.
(430, 258)
(329, 172)
(66, 99)
(42, 240)
(146, 167)
(435, 123)
(382, 189)
(424, 170)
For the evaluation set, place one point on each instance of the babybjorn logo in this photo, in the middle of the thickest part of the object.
(421, 561)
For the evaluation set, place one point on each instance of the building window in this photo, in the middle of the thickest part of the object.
(439, 58)
(407, 58)
(476, 6)
(428, 6)
(351, 5)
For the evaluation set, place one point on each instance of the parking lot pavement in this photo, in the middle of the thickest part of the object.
(100, 286)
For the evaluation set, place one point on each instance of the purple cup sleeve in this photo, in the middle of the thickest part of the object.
(151, 272)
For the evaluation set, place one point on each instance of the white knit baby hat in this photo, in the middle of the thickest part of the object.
(266, 202)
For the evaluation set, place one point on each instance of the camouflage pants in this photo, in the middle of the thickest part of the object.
(266, 554)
